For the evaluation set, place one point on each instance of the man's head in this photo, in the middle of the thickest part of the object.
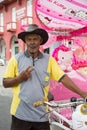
(34, 29)
(33, 42)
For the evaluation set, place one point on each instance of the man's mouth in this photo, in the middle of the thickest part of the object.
(32, 47)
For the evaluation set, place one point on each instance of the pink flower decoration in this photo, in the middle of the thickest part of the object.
(23, 27)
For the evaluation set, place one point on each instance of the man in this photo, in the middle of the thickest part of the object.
(29, 73)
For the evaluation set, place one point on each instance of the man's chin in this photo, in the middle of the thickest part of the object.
(32, 52)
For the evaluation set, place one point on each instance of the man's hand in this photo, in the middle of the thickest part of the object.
(84, 94)
(26, 74)
(23, 76)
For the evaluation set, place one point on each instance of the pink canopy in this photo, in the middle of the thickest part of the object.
(60, 16)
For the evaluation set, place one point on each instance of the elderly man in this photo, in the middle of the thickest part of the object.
(29, 74)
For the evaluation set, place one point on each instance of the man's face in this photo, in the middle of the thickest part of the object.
(33, 42)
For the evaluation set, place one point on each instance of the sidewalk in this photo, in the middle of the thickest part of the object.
(4, 91)
(5, 117)
(5, 103)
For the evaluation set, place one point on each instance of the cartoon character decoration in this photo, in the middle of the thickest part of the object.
(80, 53)
(75, 67)
(78, 14)
(79, 117)
(71, 56)
(64, 57)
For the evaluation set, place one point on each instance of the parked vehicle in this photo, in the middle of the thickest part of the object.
(2, 62)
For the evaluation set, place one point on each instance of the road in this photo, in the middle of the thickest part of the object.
(4, 91)
(5, 103)
(5, 118)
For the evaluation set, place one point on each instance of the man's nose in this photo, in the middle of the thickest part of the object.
(32, 42)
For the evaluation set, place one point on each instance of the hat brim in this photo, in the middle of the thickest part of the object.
(38, 31)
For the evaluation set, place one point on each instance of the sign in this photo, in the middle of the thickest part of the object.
(62, 14)
(20, 13)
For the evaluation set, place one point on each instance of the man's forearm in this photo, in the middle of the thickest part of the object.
(68, 83)
(23, 76)
(10, 82)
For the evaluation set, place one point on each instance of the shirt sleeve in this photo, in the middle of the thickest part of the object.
(55, 71)
(11, 69)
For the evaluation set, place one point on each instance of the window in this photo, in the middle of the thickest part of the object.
(29, 8)
(1, 19)
(28, 19)
(14, 14)
(16, 49)
(1, 0)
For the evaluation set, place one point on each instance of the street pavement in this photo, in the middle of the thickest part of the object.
(5, 118)
(5, 103)
(4, 91)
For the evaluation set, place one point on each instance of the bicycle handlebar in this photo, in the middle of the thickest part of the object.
(68, 104)
(61, 104)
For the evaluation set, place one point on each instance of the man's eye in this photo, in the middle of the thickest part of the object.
(36, 39)
(62, 57)
(28, 39)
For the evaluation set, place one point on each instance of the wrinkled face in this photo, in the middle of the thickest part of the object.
(33, 42)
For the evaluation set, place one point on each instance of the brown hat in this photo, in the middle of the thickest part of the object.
(34, 29)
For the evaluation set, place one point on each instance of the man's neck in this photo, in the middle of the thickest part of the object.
(33, 55)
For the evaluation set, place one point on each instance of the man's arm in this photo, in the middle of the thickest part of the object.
(23, 76)
(68, 83)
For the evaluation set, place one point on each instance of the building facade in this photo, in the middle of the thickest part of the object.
(14, 14)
